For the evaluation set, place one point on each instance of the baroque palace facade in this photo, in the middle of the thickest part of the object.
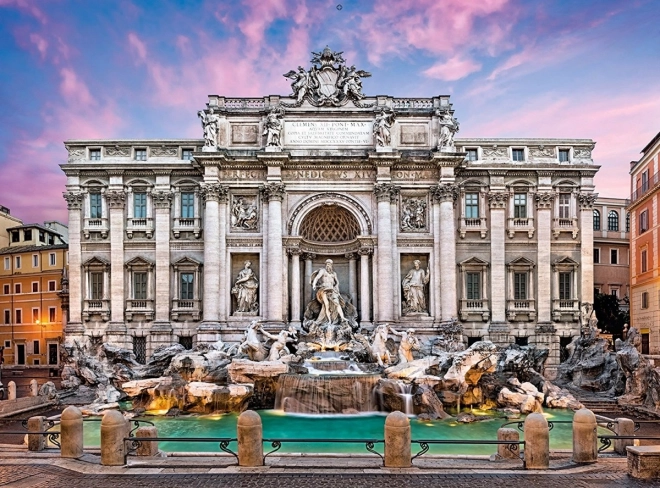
(190, 240)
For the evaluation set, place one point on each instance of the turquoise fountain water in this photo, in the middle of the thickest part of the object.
(277, 424)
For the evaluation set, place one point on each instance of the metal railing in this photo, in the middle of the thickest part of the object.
(645, 187)
(513, 446)
(52, 437)
(369, 444)
(606, 440)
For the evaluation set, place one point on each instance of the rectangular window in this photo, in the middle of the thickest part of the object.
(35, 287)
(520, 286)
(140, 286)
(187, 205)
(51, 240)
(95, 208)
(7, 344)
(15, 236)
(645, 299)
(644, 221)
(51, 315)
(614, 292)
(471, 205)
(5, 289)
(518, 154)
(19, 316)
(95, 155)
(140, 154)
(36, 362)
(7, 318)
(140, 349)
(35, 315)
(564, 155)
(17, 264)
(564, 205)
(97, 286)
(35, 260)
(520, 205)
(7, 263)
(614, 256)
(596, 255)
(52, 259)
(564, 286)
(17, 288)
(187, 154)
(51, 285)
(42, 236)
(140, 205)
(187, 286)
(473, 286)
(644, 263)
(472, 154)
(645, 180)
(27, 234)
(36, 349)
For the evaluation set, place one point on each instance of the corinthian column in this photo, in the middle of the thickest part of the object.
(162, 202)
(211, 193)
(435, 291)
(274, 193)
(116, 201)
(365, 289)
(74, 202)
(295, 285)
(446, 194)
(385, 305)
(498, 202)
(544, 202)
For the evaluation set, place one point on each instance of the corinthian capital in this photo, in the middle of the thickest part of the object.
(214, 192)
(587, 200)
(74, 200)
(445, 192)
(544, 199)
(162, 199)
(497, 199)
(273, 191)
(116, 198)
(385, 192)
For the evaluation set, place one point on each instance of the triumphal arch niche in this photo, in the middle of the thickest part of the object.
(355, 196)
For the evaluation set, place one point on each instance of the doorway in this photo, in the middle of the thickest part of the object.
(20, 353)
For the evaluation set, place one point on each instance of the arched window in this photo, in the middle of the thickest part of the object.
(596, 220)
(613, 220)
(628, 222)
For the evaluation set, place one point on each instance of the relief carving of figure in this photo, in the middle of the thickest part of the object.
(244, 213)
(245, 290)
(448, 129)
(413, 290)
(413, 214)
(273, 127)
(382, 125)
(210, 124)
(278, 349)
(408, 344)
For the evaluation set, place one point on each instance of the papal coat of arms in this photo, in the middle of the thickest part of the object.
(329, 82)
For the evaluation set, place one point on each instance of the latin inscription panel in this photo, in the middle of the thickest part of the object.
(328, 133)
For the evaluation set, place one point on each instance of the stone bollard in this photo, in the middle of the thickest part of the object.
(11, 391)
(36, 442)
(250, 439)
(147, 448)
(114, 428)
(397, 441)
(624, 427)
(34, 388)
(537, 442)
(71, 433)
(503, 450)
(585, 437)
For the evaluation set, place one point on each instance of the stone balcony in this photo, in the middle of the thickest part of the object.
(99, 225)
(185, 309)
(139, 307)
(478, 224)
(565, 225)
(475, 310)
(520, 224)
(521, 310)
(562, 308)
(145, 225)
(96, 307)
(193, 224)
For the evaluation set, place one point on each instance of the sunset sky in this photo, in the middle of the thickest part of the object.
(109, 69)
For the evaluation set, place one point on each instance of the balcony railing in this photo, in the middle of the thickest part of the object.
(139, 225)
(95, 225)
(96, 307)
(520, 224)
(186, 307)
(192, 224)
(645, 188)
(560, 225)
(142, 307)
(521, 307)
(474, 307)
(562, 307)
(477, 224)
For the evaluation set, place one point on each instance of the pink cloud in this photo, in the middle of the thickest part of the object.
(26, 6)
(40, 43)
(73, 89)
(137, 46)
(454, 68)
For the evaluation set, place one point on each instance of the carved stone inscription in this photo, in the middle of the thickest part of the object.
(328, 174)
(328, 133)
(244, 133)
(414, 134)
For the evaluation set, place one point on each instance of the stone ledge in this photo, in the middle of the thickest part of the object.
(644, 462)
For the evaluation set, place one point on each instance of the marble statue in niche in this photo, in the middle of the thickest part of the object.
(244, 214)
(413, 214)
(414, 285)
(273, 127)
(210, 124)
(448, 129)
(245, 290)
(382, 128)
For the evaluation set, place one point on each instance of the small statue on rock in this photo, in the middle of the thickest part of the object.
(278, 349)
(251, 345)
(408, 344)
(379, 350)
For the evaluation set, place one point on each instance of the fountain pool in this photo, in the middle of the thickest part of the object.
(277, 424)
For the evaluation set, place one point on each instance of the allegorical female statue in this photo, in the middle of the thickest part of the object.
(245, 290)
(413, 290)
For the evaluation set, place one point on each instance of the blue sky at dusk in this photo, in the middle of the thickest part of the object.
(106, 69)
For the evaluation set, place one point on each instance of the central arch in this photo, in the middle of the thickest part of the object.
(344, 206)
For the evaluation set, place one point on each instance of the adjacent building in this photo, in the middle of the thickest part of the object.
(612, 248)
(33, 299)
(644, 266)
(190, 240)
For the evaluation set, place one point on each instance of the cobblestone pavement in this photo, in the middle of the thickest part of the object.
(38, 476)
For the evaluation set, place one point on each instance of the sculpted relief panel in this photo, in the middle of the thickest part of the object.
(413, 214)
(244, 212)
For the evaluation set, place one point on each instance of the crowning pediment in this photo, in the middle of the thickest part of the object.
(473, 262)
(96, 261)
(139, 261)
(565, 262)
(521, 262)
(186, 261)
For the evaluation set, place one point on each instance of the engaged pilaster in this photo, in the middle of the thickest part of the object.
(498, 201)
(586, 201)
(365, 289)
(385, 305)
(295, 285)
(162, 201)
(116, 202)
(446, 194)
(74, 200)
(274, 194)
(544, 203)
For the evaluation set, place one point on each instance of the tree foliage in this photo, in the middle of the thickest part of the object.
(610, 316)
